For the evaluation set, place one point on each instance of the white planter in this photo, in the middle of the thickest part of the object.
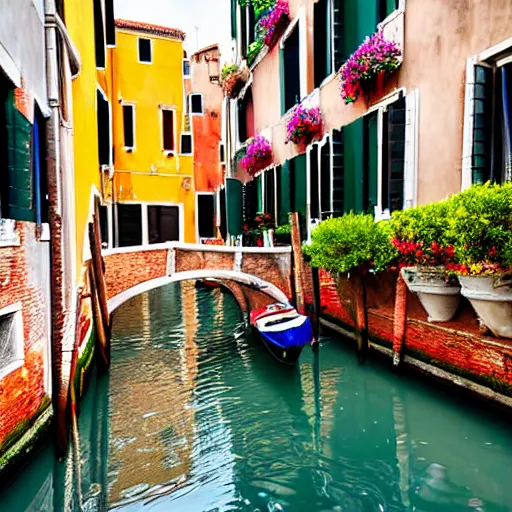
(492, 301)
(439, 298)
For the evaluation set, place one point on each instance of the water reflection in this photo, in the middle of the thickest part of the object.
(195, 416)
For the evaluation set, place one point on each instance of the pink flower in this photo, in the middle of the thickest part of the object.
(258, 155)
(305, 125)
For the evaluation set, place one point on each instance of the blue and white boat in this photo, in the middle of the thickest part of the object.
(283, 331)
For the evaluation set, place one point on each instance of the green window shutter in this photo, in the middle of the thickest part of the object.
(234, 206)
(353, 138)
(298, 188)
(291, 71)
(282, 82)
(359, 21)
(259, 195)
(371, 183)
(314, 177)
(270, 193)
(322, 41)
(325, 180)
(283, 193)
(337, 30)
(338, 172)
(233, 19)
(385, 8)
(20, 204)
(482, 125)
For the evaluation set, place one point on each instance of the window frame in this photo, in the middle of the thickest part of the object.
(493, 57)
(183, 62)
(189, 104)
(19, 341)
(191, 143)
(144, 220)
(139, 39)
(172, 109)
(129, 149)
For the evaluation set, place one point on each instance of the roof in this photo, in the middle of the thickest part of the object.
(148, 28)
(213, 46)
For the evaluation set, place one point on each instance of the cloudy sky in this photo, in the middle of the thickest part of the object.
(211, 17)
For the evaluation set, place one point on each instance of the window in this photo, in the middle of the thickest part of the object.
(245, 117)
(110, 22)
(186, 144)
(222, 153)
(99, 34)
(323, 41)
(290, 76)
(196, 104)
(186, 68)
(374, 163)
(145, 50)
(206, 215)
(103, 121)
(104, 225)
(385, 8)
(11, 339)
(488, 101)
(163, 224)
(23, 189)
(129, 126)
(314, 183)
(168, 130)
(270, 192)
(129, 224)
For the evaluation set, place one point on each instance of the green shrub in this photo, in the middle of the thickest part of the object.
(228, 69)
(352, 241)
(481, 226)
(253, 51)
(422, 236)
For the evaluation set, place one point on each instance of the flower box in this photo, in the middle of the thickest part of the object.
(258, 155)
(235, 82)
(305, 126)
(275, 22)
(366, 68)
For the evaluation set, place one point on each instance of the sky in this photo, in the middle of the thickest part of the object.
(211, 17)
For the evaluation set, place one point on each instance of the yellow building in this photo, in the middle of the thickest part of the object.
(154, 193)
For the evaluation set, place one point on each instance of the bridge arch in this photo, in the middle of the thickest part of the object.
(246, 280)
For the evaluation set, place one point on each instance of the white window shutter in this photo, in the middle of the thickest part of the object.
(411, 148)
(469, 109)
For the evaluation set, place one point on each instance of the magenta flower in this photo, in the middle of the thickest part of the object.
(270, 22)
(305, 125)
(376, 55)
(258, 155)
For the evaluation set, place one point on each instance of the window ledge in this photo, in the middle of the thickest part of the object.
(186, 154)
(11, 367)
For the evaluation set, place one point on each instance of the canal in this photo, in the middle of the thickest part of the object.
(196, 417)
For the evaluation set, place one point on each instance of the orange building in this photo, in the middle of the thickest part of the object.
(208, 153)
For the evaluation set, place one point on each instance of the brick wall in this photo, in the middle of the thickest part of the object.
(24, 278)
(457, 346)
(125, 270)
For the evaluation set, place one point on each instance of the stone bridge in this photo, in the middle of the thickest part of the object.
(255, 275)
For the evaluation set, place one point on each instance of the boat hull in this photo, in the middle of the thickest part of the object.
(288, 356)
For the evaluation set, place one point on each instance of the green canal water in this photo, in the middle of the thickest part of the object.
(196, 417)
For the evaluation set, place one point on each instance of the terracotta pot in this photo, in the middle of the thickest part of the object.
(439, 298)
(491, 298)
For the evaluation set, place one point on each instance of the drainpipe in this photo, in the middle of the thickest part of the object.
(62, 328)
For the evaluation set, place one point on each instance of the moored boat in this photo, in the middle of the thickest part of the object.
(283, 331)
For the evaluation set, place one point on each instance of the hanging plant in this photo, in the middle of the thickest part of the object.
(260, 6)
(258, 155)
(233, 79)
(305, 126)
(275, 22)
(375, 57)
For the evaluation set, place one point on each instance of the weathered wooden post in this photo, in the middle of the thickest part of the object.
(357, 279)
(298, 263)
(399, 319)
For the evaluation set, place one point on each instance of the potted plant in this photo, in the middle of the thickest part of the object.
(233, 79)
(274, 23)
(283, 235)
(258, 155)
(425, 255)
(368, 66)
(482, 228)
(259, 230)
(305, 126)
